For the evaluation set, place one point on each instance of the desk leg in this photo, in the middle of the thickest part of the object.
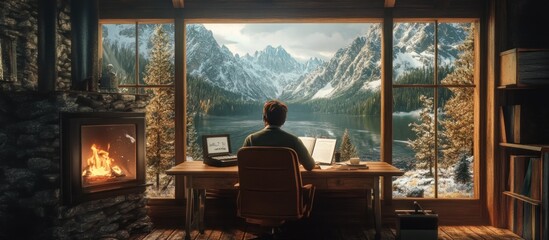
(188, 207)
(201, 204)
(377, 208)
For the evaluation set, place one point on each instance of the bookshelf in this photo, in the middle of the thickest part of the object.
(524, 140)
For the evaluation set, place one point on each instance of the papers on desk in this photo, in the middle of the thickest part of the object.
(321, 149)
(348, 166)
(324, 167)
(344, 166)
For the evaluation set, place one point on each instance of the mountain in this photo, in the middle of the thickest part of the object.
(258, 77)
(353, 67)
(356, 69)
(352, 75)
(217, 65)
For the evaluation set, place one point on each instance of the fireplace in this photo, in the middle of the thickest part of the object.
(103, 155)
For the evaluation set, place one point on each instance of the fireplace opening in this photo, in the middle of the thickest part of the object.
(108, 154)
(103, 155)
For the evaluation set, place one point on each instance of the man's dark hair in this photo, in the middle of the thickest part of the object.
(274, 112)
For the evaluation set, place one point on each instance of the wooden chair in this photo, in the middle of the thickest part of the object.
(270, 187)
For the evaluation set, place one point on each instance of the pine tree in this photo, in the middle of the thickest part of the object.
(347, 149)
(160, 113)
(193, 148)
(424, 144)
(462, 171)
(457, 125)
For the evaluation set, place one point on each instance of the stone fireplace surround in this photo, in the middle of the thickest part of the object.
(31, 205)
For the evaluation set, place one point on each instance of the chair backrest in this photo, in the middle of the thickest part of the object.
(270, 183)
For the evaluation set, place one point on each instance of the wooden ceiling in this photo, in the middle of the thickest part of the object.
(288, 9)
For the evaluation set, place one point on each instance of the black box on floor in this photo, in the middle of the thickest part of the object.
(412, 224)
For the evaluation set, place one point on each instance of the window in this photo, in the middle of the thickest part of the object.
(434, 105)
(327, 73)
(138, 58)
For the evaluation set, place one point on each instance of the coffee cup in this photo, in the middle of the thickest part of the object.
(354, 161)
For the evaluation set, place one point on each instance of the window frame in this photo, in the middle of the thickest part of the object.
(179, 20)
(437, 86)
(140, 88)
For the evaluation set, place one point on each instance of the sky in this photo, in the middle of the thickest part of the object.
(301, 40)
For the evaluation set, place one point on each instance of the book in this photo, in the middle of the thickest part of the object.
(321, 149)
(518, 166)
(503, 129)
(535, 179)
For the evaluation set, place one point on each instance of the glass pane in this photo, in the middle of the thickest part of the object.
(160, 141)
(413, 53)
(118, 57)
(456, 53)
(327, 74)
(456, 132)
(414, 142)
(156, 54)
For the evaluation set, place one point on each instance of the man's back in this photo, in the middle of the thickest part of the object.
(276, 137)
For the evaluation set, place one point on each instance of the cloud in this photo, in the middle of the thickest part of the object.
(301, 40)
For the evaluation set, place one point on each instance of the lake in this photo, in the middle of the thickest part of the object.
(364, 131)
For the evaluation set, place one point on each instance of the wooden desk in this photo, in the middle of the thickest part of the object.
(199, 177)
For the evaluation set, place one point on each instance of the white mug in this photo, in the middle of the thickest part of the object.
(354, 161)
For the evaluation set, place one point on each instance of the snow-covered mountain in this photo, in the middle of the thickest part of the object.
(357, 67)
(258, 77)
(274, 73)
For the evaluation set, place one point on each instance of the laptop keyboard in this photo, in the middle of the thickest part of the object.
(225, 157)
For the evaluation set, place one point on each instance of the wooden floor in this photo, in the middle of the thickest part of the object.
(315, 230)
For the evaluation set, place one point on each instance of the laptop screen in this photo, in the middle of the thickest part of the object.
(216, 144)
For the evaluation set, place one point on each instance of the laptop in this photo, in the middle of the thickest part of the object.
(217, 150)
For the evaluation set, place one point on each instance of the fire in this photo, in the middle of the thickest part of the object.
(100, 164)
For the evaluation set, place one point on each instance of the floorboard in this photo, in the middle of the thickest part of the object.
(316, 230)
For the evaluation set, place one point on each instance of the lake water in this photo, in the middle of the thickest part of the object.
(364, 131)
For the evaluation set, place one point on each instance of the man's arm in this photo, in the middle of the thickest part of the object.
(247, 141)
(304, 157)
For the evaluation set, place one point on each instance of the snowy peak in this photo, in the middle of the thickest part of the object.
(349, 70)
(357, 67)
(312, 64)
(276, 59)
(257, 77)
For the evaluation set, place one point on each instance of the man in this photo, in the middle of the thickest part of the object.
(274, 116)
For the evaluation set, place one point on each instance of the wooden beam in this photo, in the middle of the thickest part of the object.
(47, 45)
(178, 3)
(387, 100)
(390, 3)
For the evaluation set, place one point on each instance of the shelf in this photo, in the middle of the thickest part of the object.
(531, 147)
(523, 87)
(523, 198)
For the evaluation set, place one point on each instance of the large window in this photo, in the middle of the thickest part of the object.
(330, 76)
(138, 58)
(327, 73)
(433, 118)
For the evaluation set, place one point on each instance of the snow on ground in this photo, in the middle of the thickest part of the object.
(413, 182)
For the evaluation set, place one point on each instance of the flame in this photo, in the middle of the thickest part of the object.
(100, 164)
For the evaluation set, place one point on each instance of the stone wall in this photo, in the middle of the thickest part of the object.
(63, 82)
(19, 29)
(30, 202)
(31, 206)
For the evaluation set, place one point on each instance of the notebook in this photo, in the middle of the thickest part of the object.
(217, 150)
(321, 149)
